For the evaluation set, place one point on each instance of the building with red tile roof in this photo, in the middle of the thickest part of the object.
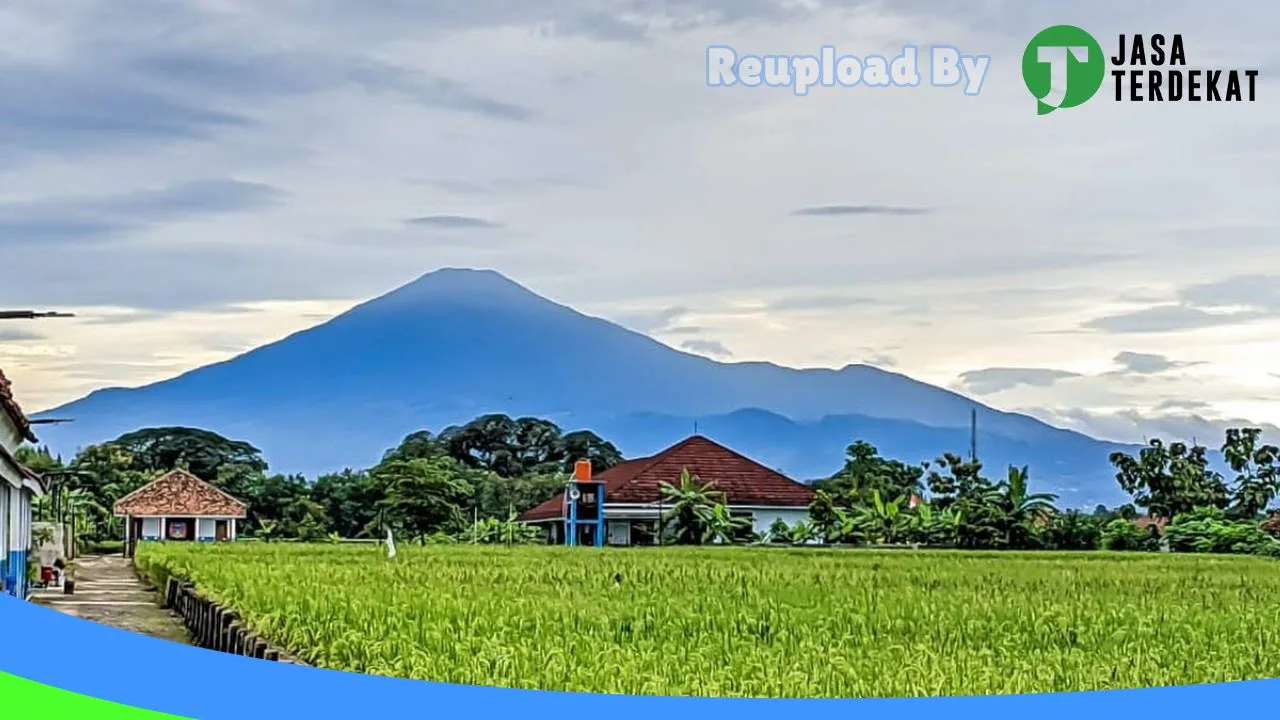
(179, 506)
(633, 496)
(19, 487)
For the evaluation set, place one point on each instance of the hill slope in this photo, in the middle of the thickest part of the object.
(457, 343)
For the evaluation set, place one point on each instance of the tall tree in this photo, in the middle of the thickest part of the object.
(1170, 479)
(508, 447)
(204, 452)
(1023, 508)
(1257, 469)
(865, 473)
(417, 445)
(420, 497)
(586, 445)
(349, 499)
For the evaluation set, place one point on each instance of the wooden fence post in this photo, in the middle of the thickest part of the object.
(226, 618)
(171, 593)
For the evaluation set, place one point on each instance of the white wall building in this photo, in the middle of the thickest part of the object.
(633, 497)
(19, 487)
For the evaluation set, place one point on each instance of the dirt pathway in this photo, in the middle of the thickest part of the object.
(109, 591)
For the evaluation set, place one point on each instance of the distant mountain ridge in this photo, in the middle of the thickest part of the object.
(458, 343)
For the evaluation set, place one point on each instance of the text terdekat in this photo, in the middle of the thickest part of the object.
(1155, 72)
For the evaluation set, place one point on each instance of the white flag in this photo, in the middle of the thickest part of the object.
(391, 545)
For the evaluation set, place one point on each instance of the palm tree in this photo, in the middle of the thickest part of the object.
(690, 505)
(1021, 506)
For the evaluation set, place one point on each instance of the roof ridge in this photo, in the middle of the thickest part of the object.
(181, 472)
(755, 462)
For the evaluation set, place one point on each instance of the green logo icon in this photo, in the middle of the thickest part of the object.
(1063, 67)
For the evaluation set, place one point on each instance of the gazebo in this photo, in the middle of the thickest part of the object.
(178, 507)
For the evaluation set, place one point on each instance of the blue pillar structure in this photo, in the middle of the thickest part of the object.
(584, 498)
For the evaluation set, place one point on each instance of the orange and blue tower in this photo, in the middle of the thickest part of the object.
(584, 511)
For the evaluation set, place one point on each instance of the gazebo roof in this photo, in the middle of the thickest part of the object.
(178, 493)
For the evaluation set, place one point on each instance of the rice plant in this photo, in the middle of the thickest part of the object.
(753, 622)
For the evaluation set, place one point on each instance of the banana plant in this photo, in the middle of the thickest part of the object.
(722, 526)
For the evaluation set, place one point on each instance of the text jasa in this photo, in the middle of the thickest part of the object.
(1134, 57)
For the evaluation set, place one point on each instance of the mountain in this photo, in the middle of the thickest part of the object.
(457, 343)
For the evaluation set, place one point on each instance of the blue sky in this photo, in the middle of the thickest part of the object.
(193, 179)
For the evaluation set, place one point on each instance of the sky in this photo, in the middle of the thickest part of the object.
(194, 179)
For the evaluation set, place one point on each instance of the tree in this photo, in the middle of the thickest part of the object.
(416, 446)
(951, 477)
(689, 505)
(825, 514)
(272, 498)
(1073, 530)
(495, 496)
(1168, 480)
(865, 473)
(1023, 508)
(505, 446)
(586, 445)
(1257, 469)
(420, 497)
(160, 449)
(349, 500)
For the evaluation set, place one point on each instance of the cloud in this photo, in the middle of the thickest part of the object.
(1167, 405)
(501, 186)
(707, 347)
(1147, 363)
(664, 320)
(1166, 319)
(18, 335)
(94, 217)
(454, 222)
(988, 381)
(830, 210)
(1136, 426)
(818, 302)
(1255, 292)
(881, 360)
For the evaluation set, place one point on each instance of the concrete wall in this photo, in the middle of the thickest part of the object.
(15, 573)
(6, 497)
(49, 552)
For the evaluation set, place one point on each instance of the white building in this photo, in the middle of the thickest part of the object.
(19, 487)
(178, 507)
(633, 495)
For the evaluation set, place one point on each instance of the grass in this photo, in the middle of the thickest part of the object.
(752, 621)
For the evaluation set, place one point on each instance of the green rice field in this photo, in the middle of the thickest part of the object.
(750, 621)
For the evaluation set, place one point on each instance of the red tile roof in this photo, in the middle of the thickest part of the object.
(10, 406)
(178, 493)
(1146, 521)
(743, 481)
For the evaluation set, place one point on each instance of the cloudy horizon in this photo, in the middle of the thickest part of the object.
(196, 179)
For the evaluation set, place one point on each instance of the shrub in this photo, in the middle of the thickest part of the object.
(1208, 531)
(1120, 534)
